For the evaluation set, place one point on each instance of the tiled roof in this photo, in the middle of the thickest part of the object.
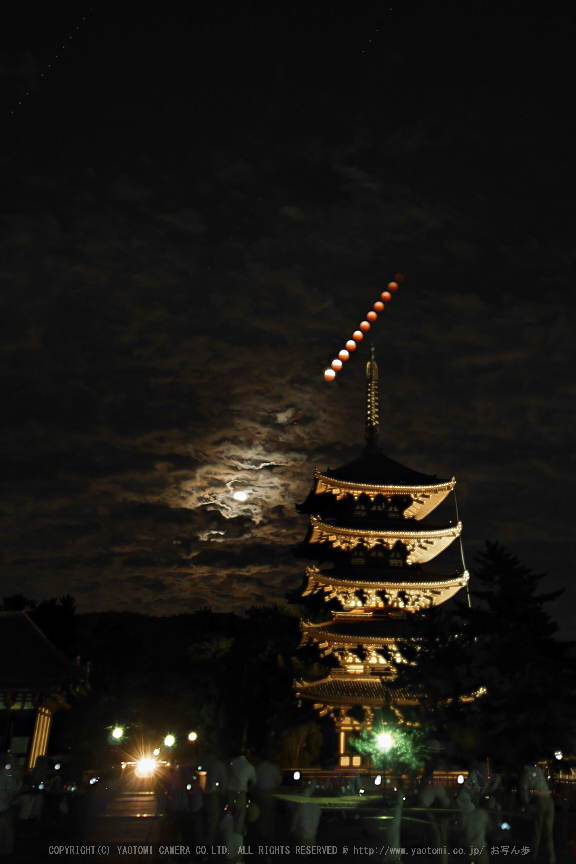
(358, 690)
(28, 660)
(375, 468)
(375, 577)
(362, 629)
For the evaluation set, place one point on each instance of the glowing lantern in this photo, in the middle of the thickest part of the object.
(372, 316)
(336, 364)
(329, 375)
(357, 335)
(386, 296)
(344, 355)
(392, 286)
(350, 345)
(378, 306)
(364, 326)
(399, 277)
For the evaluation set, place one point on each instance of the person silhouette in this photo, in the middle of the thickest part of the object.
(534, 790)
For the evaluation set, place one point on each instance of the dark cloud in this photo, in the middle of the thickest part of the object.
(166, 317)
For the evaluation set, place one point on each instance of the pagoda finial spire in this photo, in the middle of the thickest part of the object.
(372, 402)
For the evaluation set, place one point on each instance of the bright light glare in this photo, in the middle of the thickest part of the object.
(156, 752)
(240, 496)
(460, 778)
(505, 825)
(385, 741)
(145, 767)
(169, 740)
(192, 736)
(558, 754)
(378, 780)
(118, 732)
(296, 775)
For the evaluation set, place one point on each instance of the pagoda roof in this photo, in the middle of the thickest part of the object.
(424, 544)
(344, 689)
(391, 577)
(374, 468)
(355, 690)
(29, 661)
(393, 587)
(360, 628)
(424, 497)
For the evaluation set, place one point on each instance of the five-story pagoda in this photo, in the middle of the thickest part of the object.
(367, 524)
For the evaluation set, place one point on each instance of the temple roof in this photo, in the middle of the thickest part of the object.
(29, 661)
(374, 468)
(340, 688)
(422, 545)
(355, 689)
(361, 628)
(423, 497)
(374, 577)
(384, 528)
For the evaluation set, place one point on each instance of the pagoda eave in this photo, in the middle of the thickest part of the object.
(421, 546)
(420, 594)
(335, 632)
(425, 498)
(364, 690)
(322, 579)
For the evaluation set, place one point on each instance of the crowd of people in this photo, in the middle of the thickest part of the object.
(224, 806)
(223, 803)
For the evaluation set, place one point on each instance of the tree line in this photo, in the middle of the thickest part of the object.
(230, 677)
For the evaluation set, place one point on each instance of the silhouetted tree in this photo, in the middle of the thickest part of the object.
(529, 675)
(17, 603)
(506, 644)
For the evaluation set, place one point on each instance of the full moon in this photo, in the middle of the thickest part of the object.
(240, 496)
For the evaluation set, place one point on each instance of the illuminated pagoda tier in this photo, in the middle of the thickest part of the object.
(371, 543)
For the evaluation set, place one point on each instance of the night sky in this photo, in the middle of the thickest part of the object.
(200, 202)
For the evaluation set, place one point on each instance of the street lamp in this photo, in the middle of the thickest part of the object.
(117, 733)
(385, 741)
(145, 767)
(169, 740)
(192, 736)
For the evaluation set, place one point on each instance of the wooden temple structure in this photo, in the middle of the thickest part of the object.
(36, 680)
(369, 524)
